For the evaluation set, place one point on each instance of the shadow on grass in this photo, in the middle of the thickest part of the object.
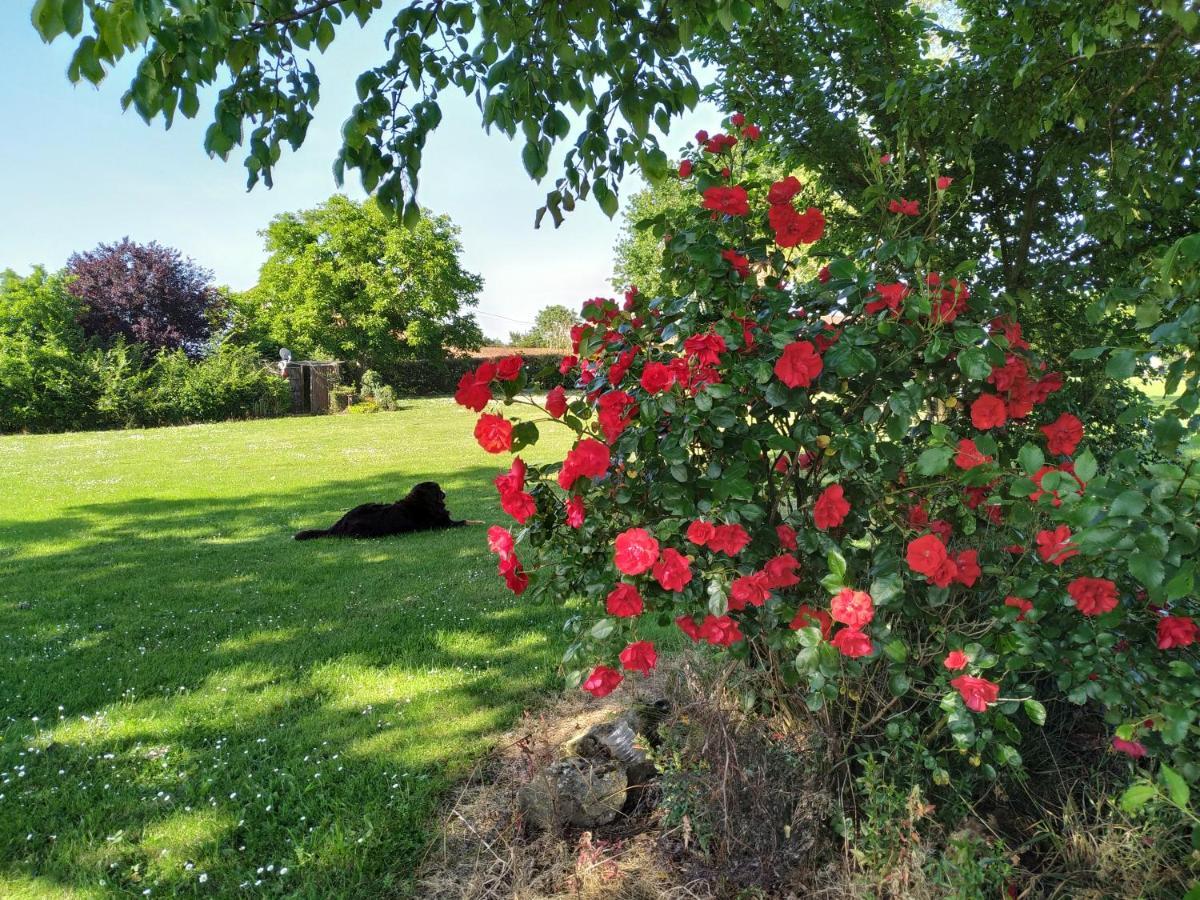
(214, 697)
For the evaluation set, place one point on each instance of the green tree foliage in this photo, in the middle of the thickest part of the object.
(638, 254)
(344, 281)
(551, 329)
(53, 378)
(525, 63)
(1069, 126)
(42, 374)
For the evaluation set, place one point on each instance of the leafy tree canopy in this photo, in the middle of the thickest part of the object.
(526, 63)
(1044, 101)
(38, 307)
(345, 281)
(143, 293)
(551, 328)
(1069, 126)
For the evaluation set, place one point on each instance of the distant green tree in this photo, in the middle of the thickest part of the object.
(551, 328)
(666, 207)
(638, 254)
(345, 281)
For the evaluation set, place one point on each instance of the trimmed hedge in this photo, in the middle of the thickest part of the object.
(432, 378)
(53, 389)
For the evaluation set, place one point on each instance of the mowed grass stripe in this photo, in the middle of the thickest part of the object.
(195, 704)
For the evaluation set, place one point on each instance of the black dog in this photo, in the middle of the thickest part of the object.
(424, 509)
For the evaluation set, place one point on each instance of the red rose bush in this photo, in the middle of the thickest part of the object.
(860, 482)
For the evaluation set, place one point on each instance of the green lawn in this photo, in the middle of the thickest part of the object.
(195, 704)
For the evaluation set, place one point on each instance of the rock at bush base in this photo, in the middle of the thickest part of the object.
(574, 791)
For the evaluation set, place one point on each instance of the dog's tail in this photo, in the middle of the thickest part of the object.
(312, 534)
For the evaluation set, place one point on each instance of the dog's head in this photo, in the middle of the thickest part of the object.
(430, 490)
(427, 495)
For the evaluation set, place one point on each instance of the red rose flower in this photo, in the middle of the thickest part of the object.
(732, 201)
(567, 363)
(556, 402)
(518, 504)
(706, 348)
(514, 576)
(946, 573)
(701, 532)
(657, 377)
(500, 541)
(720, 631)
(741, 264)
(635, 551)
(792, 228)
(988, 411)
(1055, 546)
(472, 393)
(831, 508)
(1063, 434)
(977, 693)
(1130, 748)
(624, 601)
(720, 143)
(508, 368)
(807, 617)
(890, 296)
(885, 159)
(781, 571)
(784, 190)
(944, 181)
(955, 660)
(689, 627)
(853, 608)
(748, 589)
(672, 570)
(823, 275)
(926, 554)
(615, 411)
(1093, 596)
(728, 539)
(967, 568)
(905, 207)
(752, 132)
(640, 656)
(587, 459)
(969, 456)
(799, 364)
(494, 433)
(1176, 631)
(685, 169)
(575, 511)
(603, 681)
(787, 536)
(1020, 604)
(737, 120)
(917, 515)
(852, 642)
(941, 528)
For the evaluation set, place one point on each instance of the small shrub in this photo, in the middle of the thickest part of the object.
(375, 390)
(899, 850)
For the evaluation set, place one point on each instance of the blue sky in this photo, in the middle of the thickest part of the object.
(76, 171)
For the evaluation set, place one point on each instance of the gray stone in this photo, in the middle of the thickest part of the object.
(575, 791)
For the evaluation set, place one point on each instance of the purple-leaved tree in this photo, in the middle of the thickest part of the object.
(146, 293)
